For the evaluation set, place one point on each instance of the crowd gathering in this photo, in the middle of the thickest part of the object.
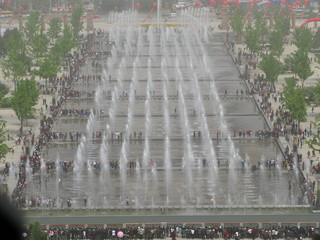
(74, 61)
(282, 124)
(185, 232)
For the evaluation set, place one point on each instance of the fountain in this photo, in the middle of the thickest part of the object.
(166, 127)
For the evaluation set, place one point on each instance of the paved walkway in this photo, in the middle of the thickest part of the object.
(303, 149)
(13, 127)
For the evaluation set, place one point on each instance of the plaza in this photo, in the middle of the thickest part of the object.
(157, 119)
(170, 124)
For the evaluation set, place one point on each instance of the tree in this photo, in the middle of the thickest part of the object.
(39, 45)
(48, 67)
(282, 24)
(276, 42)
(314, 143)
(316, 40)
(237, 24)
(36, 232)
(301, 65)
(312, 94)
(33, 26)
(3, 91)
(271, 67)
(37, 41)
(303, 39)
(76, 23)
(293, 99)
(63, 45)
(54, 28)
(17, 63)
(4, 148)
(3, 41)
(252, 39)
(24, 99)
(261, 26)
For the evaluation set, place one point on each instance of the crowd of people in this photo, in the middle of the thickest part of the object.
(75, 112)
(282, 124)
(32, 160)
(184, 232)
(75, 136)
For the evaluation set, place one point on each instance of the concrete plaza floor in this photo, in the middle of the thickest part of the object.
(13, 127)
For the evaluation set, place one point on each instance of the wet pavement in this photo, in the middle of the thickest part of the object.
(180, 92)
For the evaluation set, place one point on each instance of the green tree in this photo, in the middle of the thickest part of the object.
(33, 26)
(76, 23)
(37, 41)
(312, 94)
(282, 24)
(316, 39)
(36, 232)
(3, 41)
(16, 64)
(303, 39)
(261, 27)
(24, 99)
(293, 100)
(48, 67)
(237, 24)
(301, 65)
(14, 41)
(3, 91)
(55, 28)
(4, 148)
(63, 45)
(271, 67)
(252, 39)
(276, 42)
(39, 45)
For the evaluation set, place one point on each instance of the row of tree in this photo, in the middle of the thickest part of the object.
(268, 42)
(35, 54)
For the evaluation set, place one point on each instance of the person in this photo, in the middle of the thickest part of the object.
(113, 233)
(204, 162)
(289, 185)
(173, 234)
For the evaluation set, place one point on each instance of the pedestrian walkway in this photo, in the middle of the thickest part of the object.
(17, 143)
(308, 159)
